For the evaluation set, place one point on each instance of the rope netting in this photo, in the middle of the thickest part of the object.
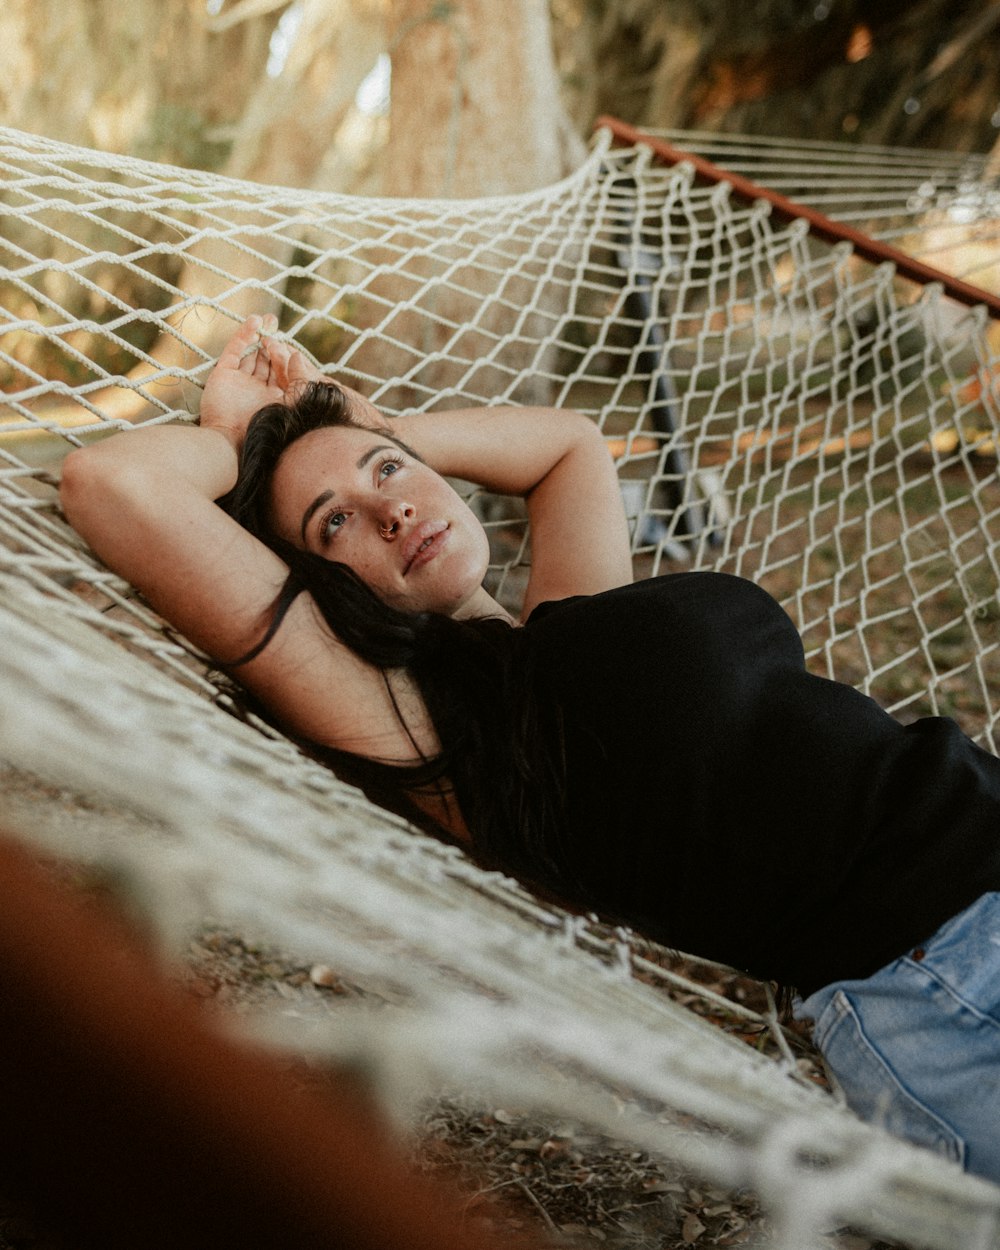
(777, 409)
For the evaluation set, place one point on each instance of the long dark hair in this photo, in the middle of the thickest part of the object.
(500, 755)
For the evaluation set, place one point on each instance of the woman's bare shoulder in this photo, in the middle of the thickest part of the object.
(319, 689)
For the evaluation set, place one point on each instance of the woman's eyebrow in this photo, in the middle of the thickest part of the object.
(318, 502)
(373, 451)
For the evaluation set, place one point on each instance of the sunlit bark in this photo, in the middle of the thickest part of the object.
(475, 108)
(475, 111)
(291, 119)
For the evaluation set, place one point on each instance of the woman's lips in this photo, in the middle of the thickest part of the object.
(423, 544)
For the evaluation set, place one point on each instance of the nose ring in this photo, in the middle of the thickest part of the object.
(387, 531)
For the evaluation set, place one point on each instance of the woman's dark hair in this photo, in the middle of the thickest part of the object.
(503, 763)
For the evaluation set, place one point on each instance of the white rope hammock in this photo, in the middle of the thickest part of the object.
(778, 410)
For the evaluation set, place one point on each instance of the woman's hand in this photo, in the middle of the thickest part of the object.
(253, 370)
(250, 373)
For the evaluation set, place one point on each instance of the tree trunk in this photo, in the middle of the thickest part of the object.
(288, 129)
(475, 105)
(291, 119)
(287, 126)
(475, 112)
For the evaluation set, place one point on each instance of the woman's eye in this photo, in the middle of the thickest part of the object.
(390, 466)
(333, 523)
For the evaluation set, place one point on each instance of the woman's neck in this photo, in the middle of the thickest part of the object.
(482, 604)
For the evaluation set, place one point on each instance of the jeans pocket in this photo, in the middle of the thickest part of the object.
(871, 1085)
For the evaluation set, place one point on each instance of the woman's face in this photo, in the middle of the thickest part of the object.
(353, 496)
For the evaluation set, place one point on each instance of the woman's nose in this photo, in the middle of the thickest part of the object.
(394, 520)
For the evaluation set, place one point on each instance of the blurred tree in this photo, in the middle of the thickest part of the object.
(476, 100)
(475, 105)
(149, 77)
(265, 88)
(287, 135)
(321, 53)
(903, 72)
(475, 110)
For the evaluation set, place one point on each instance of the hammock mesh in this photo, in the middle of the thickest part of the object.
(777, 409)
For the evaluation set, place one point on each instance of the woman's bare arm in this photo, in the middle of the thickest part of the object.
(144, 501)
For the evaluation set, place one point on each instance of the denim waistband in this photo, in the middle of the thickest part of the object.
(916, 1046)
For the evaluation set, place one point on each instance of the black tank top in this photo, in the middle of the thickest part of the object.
(727, 802)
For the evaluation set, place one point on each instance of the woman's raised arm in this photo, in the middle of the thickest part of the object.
(144, 501)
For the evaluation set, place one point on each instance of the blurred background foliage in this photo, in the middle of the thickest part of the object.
(470, 97)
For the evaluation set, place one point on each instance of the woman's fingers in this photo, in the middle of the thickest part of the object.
(300, 369)
(233, 353)
(277, 362)
(289, 367)
(261, 362)
(243, 351)
(253, 352)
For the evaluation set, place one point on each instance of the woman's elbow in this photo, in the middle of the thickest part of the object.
(571, 419)
(75, 481)
(85, 481)
(587, 429)
(588, 441)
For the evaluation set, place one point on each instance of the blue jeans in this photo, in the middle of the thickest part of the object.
(916, 1046)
